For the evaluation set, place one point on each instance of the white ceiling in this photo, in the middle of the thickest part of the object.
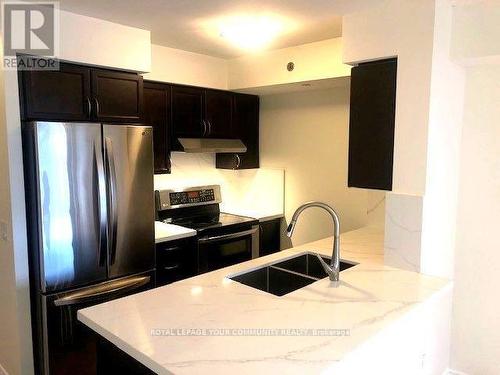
(177, 23)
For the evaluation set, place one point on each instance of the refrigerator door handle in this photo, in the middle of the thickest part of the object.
(102, 290)
(102, 203)
(112, 206)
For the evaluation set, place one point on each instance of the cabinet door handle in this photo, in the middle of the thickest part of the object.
(204, 127)
(96, 101)
(89, 107)
(238, 161)
(209, 127)
(170, 268)
(173, 248)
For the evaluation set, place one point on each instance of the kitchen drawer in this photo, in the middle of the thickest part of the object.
(176, 260)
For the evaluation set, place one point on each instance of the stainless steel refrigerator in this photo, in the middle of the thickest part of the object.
(90, 216)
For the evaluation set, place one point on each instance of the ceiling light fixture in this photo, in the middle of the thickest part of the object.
(249, 32)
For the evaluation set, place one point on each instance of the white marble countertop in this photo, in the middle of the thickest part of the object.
(169, 232)
(371, 298)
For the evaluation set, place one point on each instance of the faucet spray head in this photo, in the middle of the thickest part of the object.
(291, 228)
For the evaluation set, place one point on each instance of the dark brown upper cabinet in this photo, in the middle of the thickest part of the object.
(81, 93)
(201, 113)
(157, 114)
(187, 112)
(56, 95)
(245, 126)
(371, 124)
(118, 96)
(197, 112)
(218, 113)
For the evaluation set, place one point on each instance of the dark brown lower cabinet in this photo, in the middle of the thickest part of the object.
(176, 260)
(270, 236)
(113, 361)
(156, 114)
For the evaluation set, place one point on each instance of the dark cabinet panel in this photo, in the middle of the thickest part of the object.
(371, 125)
(80, 93)
(187, 112)
(270, 236)
(111, 360)
(218, 113)
(56, 95)
(117, 96)
(176, 260)
(156, 114)
(245, 127)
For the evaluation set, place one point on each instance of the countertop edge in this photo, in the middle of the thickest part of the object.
(174, 237)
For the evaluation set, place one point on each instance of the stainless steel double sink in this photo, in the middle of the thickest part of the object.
(286, 275)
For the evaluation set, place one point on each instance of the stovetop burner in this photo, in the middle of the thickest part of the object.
(202, 218)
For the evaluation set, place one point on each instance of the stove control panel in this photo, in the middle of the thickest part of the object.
(194, 196)
(167, 199)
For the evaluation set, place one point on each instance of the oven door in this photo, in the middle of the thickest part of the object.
(219, 251)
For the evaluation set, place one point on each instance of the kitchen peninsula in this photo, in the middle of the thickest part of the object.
(380, 319)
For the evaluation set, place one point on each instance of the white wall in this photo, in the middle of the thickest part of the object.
(475, 32)
(177, 66)
(443, 151)
(85, 40)
(476, 323)
(98, 42)
(306, 133)
(11, 332)
(313, 61)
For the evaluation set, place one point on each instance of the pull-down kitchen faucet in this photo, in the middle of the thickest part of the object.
(333, 269)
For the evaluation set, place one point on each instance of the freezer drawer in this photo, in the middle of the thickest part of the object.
(68, 347)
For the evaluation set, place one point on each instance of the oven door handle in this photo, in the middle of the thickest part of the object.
(230, 236)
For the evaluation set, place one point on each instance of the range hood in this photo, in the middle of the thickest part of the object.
(199, 145)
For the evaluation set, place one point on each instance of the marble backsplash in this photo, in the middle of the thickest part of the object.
(403, 231)
(375, 207)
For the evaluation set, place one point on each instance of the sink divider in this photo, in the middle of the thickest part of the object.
(292, 272)
(286, 272)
